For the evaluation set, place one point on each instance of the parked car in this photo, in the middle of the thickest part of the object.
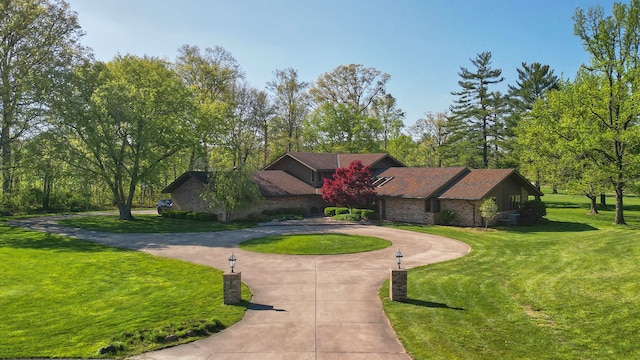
(164, 204)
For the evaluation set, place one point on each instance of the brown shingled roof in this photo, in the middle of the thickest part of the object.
(201, 176)
(331, 161)
(418, 183)
(479, 182)
(279, 183)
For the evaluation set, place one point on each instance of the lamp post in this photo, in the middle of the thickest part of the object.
(232, 261)
(398, 258)
(232, 284)
(398, 281)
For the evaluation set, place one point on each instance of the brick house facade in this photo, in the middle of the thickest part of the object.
(406, 194)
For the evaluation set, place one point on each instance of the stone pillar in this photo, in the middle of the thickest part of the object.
(398, 285)
(232, 288)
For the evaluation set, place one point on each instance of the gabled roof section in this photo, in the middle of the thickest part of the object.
(330, 161)
(201, 176)
(417, 183)
(480, 182)
(279, 183)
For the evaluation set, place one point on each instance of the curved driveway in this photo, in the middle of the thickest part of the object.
(303, 307)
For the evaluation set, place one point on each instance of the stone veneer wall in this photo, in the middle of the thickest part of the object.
(187, 197)
(409, 210)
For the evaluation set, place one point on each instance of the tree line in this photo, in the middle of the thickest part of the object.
(77, 133)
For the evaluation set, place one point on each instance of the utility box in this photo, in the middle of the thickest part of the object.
(514, 219)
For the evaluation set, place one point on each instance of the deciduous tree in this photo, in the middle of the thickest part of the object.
(232, 190)
(342, 119)
(291, 101)
(39, 40)
(212, 75)
(613, 43)
(121, 119)
(432, 132)
(385, 109)
(349, 186)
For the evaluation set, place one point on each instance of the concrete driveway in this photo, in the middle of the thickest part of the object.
(303, 307)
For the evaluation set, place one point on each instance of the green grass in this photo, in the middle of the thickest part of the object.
(315, 244)
(149, 224)
(61, 297)
(567, 289)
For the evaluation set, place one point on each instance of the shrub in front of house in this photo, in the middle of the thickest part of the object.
(181, 214)
(342, 210)
(280, 211)
(348, 217)
(189, 215)
(255, 217)
(203, 216)
(367, 213)
(532, 212)
(447, 216)
(330, 211)
(169, 214)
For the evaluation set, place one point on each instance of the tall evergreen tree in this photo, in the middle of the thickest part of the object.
(473, 112)
(534, 81)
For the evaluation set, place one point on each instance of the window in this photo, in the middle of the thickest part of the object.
(427, 205)
(514, 203)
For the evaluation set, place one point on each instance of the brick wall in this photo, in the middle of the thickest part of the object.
(187, 197)
(467, 212)
(313, 205)
(408, 210)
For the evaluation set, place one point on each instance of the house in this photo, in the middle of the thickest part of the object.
(407, 194)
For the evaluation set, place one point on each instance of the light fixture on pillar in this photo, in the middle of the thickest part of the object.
(398, 258)
(232, 261)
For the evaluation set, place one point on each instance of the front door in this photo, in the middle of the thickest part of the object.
(381, 209)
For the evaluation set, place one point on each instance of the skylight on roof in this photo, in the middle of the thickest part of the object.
(378, 182)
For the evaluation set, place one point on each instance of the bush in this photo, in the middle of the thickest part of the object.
(203, 216)
(539, 206)
(167, 213)
(447, 216)
(191, 216)
(367, 214)
(175, 214)
(280, 211)
(532, 212)
(330, 211)
(283, 217)
(342, 210)
(347, 217)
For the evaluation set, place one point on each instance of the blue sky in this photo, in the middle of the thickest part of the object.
(421, 44)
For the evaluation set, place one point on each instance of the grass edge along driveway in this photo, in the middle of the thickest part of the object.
(62, 297)
(563, 290)
(315, 244)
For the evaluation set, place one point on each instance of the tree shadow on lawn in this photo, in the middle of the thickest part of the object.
(430, 304)
(551, 227)
(24, 239)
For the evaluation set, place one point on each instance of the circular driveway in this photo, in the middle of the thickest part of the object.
(303, 306)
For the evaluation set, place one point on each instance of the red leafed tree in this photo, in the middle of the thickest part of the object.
(349, 186)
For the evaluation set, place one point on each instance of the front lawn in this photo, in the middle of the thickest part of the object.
(61, 297)
(315, 244)
(568, 289)
(149, 224)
